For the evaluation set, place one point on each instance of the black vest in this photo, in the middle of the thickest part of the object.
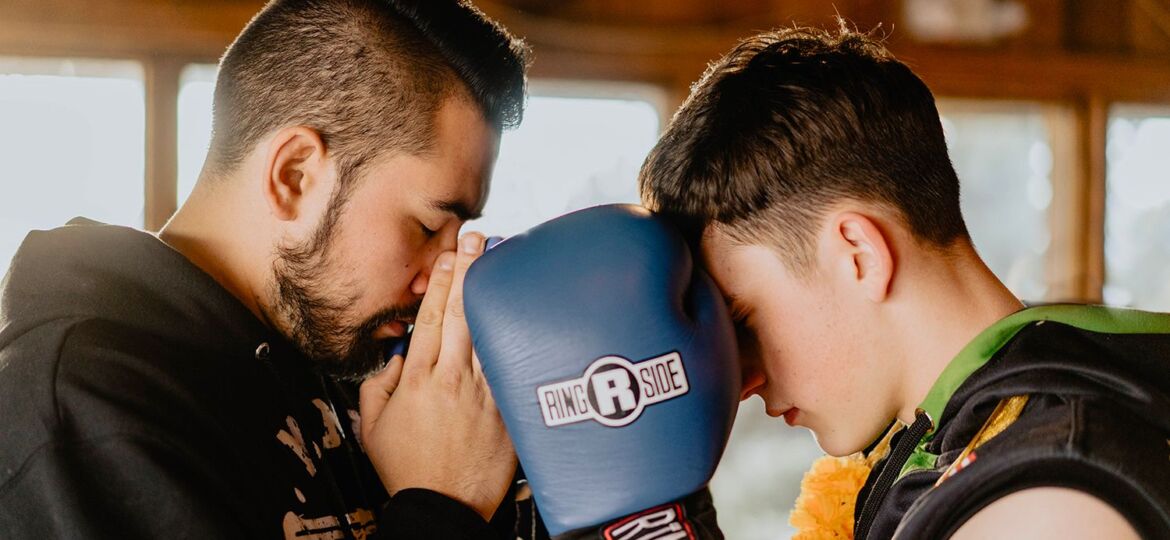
(1097, 420)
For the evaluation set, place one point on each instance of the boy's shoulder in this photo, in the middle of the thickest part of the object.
(1096, 421)
(1079, 443)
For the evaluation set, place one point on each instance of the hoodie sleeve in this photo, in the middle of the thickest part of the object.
(421, 514)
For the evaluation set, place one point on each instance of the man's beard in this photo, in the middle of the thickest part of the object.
(318, 323)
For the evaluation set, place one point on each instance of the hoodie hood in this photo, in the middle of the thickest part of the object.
(87, 270)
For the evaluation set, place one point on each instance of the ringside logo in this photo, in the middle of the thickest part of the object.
(613, 391)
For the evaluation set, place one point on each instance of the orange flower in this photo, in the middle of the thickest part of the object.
(828, 493)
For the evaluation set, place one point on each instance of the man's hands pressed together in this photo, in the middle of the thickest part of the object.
(429, 421)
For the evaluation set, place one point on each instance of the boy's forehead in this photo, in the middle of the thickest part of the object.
(717, 244)
(741, 265)
(714, 244)
(727, 260)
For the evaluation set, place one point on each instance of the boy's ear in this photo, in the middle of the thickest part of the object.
(867, 252)
(295, 165)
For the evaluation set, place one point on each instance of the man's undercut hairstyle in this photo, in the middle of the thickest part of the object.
(789, 123)
(368, 75)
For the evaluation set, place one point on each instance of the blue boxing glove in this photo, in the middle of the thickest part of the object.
(612, 359)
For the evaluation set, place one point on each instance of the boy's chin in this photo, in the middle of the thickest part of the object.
(839, 443)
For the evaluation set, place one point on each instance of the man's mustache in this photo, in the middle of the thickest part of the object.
(404, 314)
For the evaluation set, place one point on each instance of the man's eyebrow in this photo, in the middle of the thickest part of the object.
(457, 208)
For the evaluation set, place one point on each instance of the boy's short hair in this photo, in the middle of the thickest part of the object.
(792, 121)
(368, 75)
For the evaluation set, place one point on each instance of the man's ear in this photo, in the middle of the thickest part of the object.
(866, 247)
(295, 164)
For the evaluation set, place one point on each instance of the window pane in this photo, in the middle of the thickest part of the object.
(1003, 155)
(196, 86)
(571, 152)
(1137, 212)
(72, 145)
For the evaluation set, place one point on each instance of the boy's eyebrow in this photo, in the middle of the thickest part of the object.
(735, 305)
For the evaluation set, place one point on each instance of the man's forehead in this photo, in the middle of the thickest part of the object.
(464, 153)
(468, 198)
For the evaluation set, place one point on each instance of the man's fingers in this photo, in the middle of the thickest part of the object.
(376, 391)
(456, 347)
(427, 336)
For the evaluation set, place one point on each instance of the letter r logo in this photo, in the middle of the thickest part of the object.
(614, 392)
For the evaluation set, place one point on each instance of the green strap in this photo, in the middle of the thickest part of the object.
(988, 342)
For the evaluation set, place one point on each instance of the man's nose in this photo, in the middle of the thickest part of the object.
(418, 285)
(422, 279)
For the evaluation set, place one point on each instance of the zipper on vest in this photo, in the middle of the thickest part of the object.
(897, 458)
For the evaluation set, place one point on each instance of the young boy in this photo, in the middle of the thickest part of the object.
(811, 171)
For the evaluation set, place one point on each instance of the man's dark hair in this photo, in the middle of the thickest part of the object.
(368, 75)
(792, 121)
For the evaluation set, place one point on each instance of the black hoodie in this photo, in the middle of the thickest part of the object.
(140, 399)
(1097, 420)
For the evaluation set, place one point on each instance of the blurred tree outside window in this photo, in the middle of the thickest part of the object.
(196, 87)
(580, 145)
(1137, 208)
(1003, 155)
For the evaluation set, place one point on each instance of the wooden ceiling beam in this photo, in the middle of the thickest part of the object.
(566, 49)
(121, 28)
(671, 55)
